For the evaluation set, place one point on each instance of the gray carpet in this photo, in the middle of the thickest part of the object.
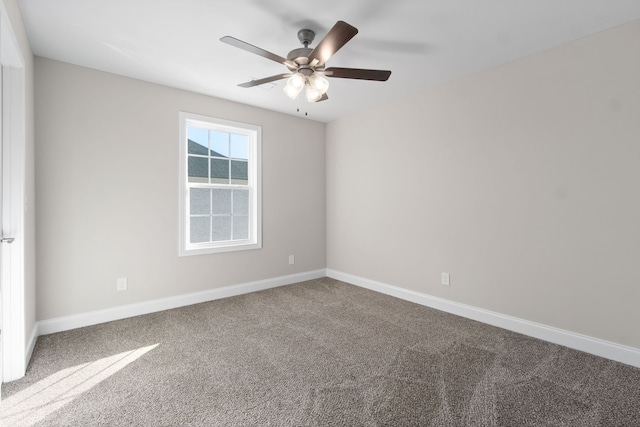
(315, 353)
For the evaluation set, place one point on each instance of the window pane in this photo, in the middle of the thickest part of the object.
(239, 172)
(240, 202)
(220, 187)
(240, 227)
(239, 146)
(197, 141)
(198, 169)
(219, 144)
(221, 228)
(200, 229)
(200, 201)
(219, 171)
(221, 202)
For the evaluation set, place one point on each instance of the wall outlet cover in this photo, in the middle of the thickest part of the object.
(445, 279)
(122, 284)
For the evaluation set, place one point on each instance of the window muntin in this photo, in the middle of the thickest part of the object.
(220, 185)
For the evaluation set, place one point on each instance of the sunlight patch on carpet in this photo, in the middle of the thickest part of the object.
(36, 402)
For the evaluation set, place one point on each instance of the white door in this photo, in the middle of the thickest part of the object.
(2, 263)
(12, 203)
(5, 240)
(12, 222)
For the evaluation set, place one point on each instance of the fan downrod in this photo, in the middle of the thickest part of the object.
(299, 55)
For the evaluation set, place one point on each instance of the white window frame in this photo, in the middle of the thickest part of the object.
(254, 185)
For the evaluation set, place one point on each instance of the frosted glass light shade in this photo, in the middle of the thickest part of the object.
(313, 94)
(295, 84)
(319, 83)
(297, 80)
(292, 91)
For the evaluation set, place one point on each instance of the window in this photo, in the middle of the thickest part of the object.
(220, 185)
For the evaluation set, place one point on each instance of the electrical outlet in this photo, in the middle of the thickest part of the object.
(121, 284)
(292, 259)
(445, 279)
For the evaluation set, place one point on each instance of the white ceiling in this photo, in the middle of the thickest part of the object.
(423, 42)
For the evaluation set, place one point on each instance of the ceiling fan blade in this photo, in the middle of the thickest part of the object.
(323, 98)
(337, 37)
(259, 82)
(254, 49)
(358, 73)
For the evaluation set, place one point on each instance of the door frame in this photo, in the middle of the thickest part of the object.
(14, 357)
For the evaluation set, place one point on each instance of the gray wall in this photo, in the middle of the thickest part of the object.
(522, 182)
(107, 180)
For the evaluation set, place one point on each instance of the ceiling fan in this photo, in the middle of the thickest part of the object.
(307, 66)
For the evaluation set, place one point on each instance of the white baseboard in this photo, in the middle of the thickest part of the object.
(598, 347)
(50, 326)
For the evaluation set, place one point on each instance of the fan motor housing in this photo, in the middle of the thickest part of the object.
(300, 55)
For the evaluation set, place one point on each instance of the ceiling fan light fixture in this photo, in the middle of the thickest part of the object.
(306, 66)
(297, 80)
(319, 83)
(291, 91)
(295, 84)
(313, 94)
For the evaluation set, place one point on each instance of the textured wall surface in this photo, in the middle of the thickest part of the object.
(107, 179)
(521, 182)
